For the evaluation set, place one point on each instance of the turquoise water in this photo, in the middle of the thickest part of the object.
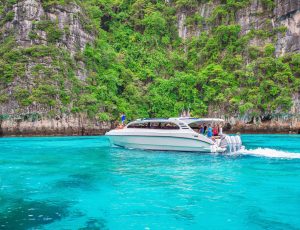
(82, 183)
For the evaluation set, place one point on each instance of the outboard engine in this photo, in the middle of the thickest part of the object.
(229, 143)
(238, 142)
(232, 143)
(226, 143)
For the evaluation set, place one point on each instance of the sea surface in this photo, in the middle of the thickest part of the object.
(83, 183)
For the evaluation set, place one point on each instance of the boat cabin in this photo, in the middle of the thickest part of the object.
(174, 123)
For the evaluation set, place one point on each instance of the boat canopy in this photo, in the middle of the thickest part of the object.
(187, 120)
(201, 120)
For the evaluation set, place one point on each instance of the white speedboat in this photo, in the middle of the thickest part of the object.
(174, 134)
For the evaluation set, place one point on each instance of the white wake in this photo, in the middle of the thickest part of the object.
(267, 152)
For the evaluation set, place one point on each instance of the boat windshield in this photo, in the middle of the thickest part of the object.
(153, 125)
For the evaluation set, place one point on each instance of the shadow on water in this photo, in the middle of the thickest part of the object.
(182, 213)
(258, 219)
(95, 224)
(31, 214)
(77, 181)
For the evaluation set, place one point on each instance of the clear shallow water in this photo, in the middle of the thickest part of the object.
(82, 183)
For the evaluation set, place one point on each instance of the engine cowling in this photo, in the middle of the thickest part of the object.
(232, 143)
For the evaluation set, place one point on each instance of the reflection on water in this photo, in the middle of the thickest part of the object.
(82, 183)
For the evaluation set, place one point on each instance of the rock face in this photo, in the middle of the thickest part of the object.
(28, 13)
(37, 27)
(204, 10)
(284, 18)
(70, 125)
(287, 13)
(255, 16)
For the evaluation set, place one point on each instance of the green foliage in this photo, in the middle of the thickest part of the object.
(226, 35)
(33, 35)
(269, 3)
(195, 19)
(154, 23)
(9, 16)
(139, 66)
(5, 10)
(50, 3)
(254, 52)
(4, 98)
(218, 15)
(54, 81)
(104, 117)
(22, 96)
(11, 61)
(269, 49)
(45, 94)
(270, 83)
(54, 33)
(10, 3)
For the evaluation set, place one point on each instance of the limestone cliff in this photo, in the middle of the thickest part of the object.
(43, 126)
(43, 72)
(31, 19)
(283, 19)
(254, 16)
(47, 42)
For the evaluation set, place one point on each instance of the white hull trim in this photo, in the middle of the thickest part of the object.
(164, 143)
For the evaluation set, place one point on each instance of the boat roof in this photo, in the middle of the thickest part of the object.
(187, 120)
(190, 120)
(153, 120)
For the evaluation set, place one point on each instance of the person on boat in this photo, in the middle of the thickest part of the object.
(215, 131)
(188, 114)
(209, 131)
(120, 126)
(123, 118)
(201, 130)
(205, 128)
(220, 130)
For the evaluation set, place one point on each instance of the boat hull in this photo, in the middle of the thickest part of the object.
(165, 143)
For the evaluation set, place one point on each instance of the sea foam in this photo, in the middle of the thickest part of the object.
(267, 152)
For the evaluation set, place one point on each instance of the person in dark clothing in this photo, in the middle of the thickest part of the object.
(205, 127)
(201, 130)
